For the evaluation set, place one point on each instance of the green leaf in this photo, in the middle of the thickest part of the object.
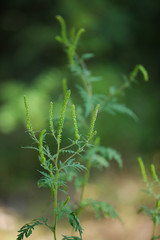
(113, 107)
(86, 56)
(155, 237)
(73, 166)
(101, 208)
(99, 161)
(71, 238)
(79, 181)
(75, 223)
(67, 151)
(26, 230)
(46, 181)
(88, 102)
(99, 156)
(154, 214)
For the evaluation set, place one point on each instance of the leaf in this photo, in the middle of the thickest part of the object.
(105, 208)
(30, 147)
(154, 214)
(86, 56)
(113, 154)
(67, 151)
(71, 165)
(75, 223)
(46, 181)
(87, 100)
(113, 107)
(99, 161)
(26, 230)
(100, 155)
(63, 209)
(79, 181)
(100, 208)
(155, 237)
(71, 238)
(65, 203)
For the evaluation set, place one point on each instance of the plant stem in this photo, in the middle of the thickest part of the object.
(154, 229)
(56, 192)
(86, 178)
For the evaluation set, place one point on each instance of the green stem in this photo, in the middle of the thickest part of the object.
(86, 178)
(74, 154)
(69, 146)
(56, 193)
(154, 220)
(154, 229)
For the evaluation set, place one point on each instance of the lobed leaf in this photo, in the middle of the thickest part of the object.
(26, 230)
(75, 223)
(113, 107)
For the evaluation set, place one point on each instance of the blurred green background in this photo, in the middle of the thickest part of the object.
(121, 34)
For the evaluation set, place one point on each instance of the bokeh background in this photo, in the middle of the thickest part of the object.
(121, 34)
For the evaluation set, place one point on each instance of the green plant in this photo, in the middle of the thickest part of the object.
(54, 170)
(83, 153)
(152, 190)
(98, 156)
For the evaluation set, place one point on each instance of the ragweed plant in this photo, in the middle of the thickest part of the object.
(54, 170)
(152, 190)
(98, 156)
(84, 152)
